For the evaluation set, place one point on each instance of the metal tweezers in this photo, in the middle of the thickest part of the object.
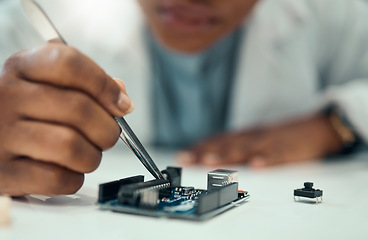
(48, 30)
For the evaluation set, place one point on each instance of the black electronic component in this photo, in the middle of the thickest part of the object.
(165, 192)
(242, 193)
(208, 202)
(131, 194)
(108, 191)
(216, 198)
(309, 192)
(173, 174)
(228, 193)
(184, 191)
(157, 198)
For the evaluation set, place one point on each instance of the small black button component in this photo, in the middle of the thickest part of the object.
(308, 192)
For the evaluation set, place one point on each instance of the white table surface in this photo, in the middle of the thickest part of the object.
(270, 213)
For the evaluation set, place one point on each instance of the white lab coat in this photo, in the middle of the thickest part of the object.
(297, 57)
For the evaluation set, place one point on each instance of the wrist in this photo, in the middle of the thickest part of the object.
(332, 141)
(344, 131)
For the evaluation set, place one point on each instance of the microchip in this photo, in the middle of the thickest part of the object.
(167, 198)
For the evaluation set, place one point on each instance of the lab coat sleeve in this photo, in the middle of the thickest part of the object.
(346, 74)
(16, 32)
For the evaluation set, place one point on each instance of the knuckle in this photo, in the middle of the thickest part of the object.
(68, 143)
(10, 64)
(68, 138)
(61, 57)
(71, 58)
(75, 154)
(102, 87)
(71, 55)
(104, 132)
(82, 105)
(105, 87)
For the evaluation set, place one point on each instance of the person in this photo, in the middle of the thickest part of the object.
(259, 82)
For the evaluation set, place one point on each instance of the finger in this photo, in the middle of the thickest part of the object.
(120, 83)
(190, 157)
(267, 160)
(228, 150)
(211, 158)
(273, 159)
(279, 152)
(259, 161)
(25, 176)
(249, 148)
(270, 153)
(198, 156)
(56, 41)
(68, 107)
(209, 152)
(185, 157)
(53, 144)
(237, 154)
(63, 66)
(224, 148)
(230, 155)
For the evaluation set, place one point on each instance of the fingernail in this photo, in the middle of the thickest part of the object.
(185, 157)
(257, 162)
(211, 159)
(124, 103)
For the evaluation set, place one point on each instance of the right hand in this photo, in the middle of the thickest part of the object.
(56, 109)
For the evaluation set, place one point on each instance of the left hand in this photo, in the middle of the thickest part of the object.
(306, 139)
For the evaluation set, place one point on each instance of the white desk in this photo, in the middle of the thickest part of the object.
(270, 213)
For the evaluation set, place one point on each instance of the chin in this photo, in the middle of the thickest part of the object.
(182, 29)
(184, 44)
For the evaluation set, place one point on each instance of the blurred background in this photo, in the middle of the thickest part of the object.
(82, 23)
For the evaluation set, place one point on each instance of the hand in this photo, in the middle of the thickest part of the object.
(306, 139)
(56, 109)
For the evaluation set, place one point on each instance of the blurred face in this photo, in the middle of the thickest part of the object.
(194, 25)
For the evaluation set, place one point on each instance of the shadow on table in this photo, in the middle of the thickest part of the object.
(360, 156)
(62, 200)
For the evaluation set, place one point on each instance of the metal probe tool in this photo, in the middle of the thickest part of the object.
(48, 30)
